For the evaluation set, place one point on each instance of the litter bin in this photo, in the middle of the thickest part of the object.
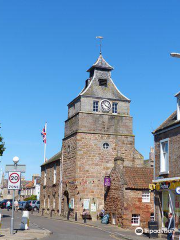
(153, 229)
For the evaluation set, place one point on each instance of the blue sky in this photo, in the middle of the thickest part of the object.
(46, 48)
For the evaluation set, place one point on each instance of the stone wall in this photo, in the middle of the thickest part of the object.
(50, 190)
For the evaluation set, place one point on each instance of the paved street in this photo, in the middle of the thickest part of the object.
(61, 230)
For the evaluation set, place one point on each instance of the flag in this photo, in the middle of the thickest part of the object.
(43, 134)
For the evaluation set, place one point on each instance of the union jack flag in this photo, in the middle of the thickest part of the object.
(43, 134)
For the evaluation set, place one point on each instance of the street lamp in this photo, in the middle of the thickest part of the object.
(177, 55)
(15, 160)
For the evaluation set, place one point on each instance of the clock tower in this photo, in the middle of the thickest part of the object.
(98, 129)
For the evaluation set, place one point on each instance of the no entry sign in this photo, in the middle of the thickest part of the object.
(14, 180)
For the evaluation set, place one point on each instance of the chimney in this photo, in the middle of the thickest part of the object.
(178, 105)
(119, 162)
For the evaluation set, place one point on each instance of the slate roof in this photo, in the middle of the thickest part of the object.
(170, 121)
(53, 159)
(138, 177)
(101, 63)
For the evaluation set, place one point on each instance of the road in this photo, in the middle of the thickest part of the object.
(62, 230)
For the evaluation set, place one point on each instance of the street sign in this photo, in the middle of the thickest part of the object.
(18, 168)
(14, 180)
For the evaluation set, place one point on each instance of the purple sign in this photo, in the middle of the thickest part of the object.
(107, 181)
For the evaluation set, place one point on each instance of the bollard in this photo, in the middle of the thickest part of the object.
(51, 213)
(85, 218)
(76, 216)
(25, 220)
(68, 215)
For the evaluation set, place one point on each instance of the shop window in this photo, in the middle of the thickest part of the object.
(164, 156)
(114, 107)
(145, 196)
(135, 220)
(54, 201)
(95, 106)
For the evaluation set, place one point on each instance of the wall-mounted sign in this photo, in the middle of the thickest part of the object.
(86, 204)
(93, 207)
(178, 190)
(107, 181)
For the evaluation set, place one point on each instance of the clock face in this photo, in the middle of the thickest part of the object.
(105, 105)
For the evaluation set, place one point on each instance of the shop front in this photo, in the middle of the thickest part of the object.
(168, 192)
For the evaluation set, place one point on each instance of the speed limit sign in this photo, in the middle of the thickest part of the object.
(14, 180)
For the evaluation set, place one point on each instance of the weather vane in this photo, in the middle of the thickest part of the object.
(100, 37)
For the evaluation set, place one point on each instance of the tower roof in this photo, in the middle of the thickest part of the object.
(101, 63)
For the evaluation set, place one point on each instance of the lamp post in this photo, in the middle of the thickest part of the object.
(15, 160)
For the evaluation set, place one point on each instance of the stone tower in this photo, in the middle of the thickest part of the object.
(98, 129)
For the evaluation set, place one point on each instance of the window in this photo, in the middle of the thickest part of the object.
(106, 145)
(145, 196)
(48, 201)
(114, 108)
(103, 82)
(44, 201)
(95, 106)
(45, 176)
(54, 173)
(164, 156)
(152, 217)
(9, 192)
(54, 201)
(135, 220)
(69, 149)
(178, 108)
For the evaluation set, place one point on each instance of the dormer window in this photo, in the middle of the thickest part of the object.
(103, 82)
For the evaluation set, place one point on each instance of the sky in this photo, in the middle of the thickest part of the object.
(47, 46)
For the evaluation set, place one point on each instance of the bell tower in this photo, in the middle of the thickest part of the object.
(98, 129)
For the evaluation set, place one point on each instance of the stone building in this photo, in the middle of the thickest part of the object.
(98, 129)
(128, 200)
(50, 185)
(167, 168)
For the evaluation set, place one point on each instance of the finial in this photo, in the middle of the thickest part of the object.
(100, 37)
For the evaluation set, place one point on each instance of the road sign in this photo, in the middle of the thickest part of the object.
(14, 180)
(18, 168)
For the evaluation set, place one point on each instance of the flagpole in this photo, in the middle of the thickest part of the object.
(45, 143)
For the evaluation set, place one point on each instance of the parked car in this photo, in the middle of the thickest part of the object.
(3, 203)
(36, 206)
(32, 202)
(22, 205)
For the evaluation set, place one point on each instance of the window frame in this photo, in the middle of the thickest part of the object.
(114, 107)
(133, 218)
(45, 176)
(95, 106)
(146, 196)
(55, 174)
(166, 171)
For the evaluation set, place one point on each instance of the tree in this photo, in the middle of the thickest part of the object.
(2, 148)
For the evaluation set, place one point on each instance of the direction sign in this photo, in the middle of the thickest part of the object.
(13, 168)
(14, 180)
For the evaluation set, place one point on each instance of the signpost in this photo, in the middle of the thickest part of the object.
(14, 182)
